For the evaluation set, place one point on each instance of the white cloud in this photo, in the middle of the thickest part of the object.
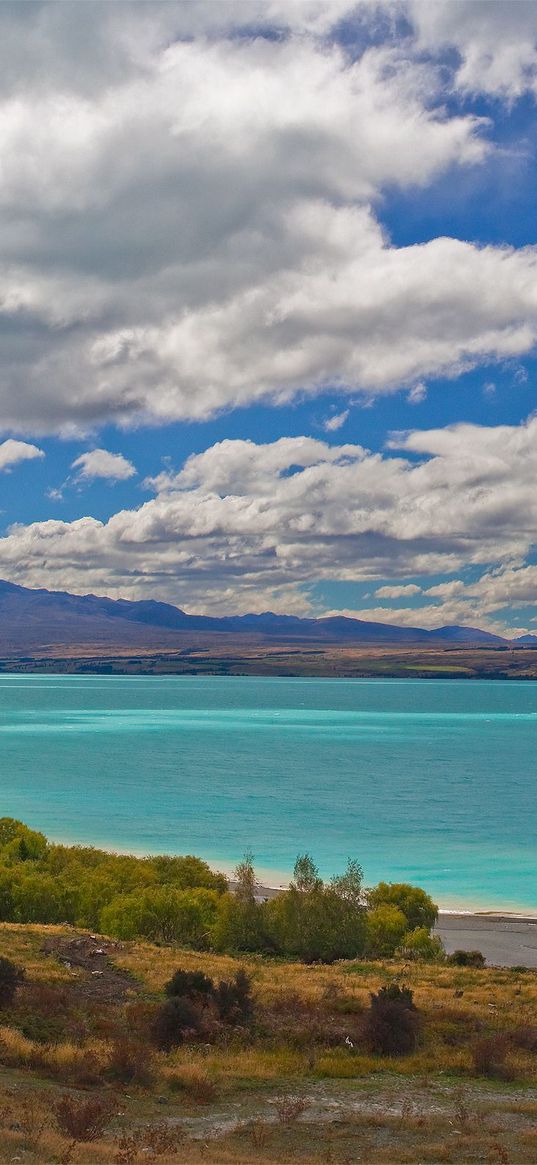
(245, 526)
(189, 225)
(12, 452)
(496, 42)
(417, 394)
(405, 591)
(99, 463)
(331, 424)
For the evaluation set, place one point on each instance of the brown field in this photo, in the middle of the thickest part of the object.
(249, 658)
(289, 1088)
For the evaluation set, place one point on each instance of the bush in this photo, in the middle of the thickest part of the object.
(418, 944)
(11, 977)
(174, 1022)
(82, 1120)
(467, 959)
(195, 1082)
(234, 999)
(524, 1037)
(130, 1062)
(417, 907)
(488, 1057)
(392, 1026)
(385, 928)
(190, 985)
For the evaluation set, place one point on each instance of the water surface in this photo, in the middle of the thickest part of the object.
(422, 780)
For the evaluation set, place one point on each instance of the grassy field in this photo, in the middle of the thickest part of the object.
(297, 1084)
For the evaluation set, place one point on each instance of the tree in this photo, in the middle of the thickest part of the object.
(163, 914)
(238, 925)
(417, 907)
(350, 884)
(245, 878)
(306, 875)
(315, 925)
(19, 843)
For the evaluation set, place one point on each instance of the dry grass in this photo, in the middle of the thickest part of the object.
(297, 1055)
(381, 1139)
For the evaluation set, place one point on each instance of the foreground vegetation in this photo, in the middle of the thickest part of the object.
(179, 899)
(274, 1061)
(322, 1025)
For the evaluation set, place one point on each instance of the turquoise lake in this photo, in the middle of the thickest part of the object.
(426, 781)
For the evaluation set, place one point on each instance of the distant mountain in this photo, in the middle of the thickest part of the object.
(41, 621)
(526, 641)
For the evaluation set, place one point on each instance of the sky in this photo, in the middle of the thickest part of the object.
(268, 305)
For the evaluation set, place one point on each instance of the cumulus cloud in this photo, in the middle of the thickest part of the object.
(100, 463)
(11, 452)
(404, 591)
(250, 526)
(496, 42)
(190, 224)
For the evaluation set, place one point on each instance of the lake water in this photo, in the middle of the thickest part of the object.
(427, 781)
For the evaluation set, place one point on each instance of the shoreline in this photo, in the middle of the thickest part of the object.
(497, 913)
(506, 937)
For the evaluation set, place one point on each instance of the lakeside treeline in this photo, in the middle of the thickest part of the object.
(180, 900)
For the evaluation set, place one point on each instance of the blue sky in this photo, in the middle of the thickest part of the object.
(268, 306)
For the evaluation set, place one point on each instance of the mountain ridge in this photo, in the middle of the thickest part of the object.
(36, 618)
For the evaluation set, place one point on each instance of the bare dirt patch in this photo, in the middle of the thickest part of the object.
(100, 980)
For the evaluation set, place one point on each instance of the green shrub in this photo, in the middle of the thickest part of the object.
(385, 927)
(417, 907)
(418, 944)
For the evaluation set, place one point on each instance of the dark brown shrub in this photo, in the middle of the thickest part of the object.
(392, 1025)
(467, 959)
(82, 1120)
(192, 985)
(234, 999)
(488, 1056)
(524, 1037)
(176, 1021)
(11, 977)
(130, 1062)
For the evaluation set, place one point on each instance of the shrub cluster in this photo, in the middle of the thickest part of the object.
(180, 900)
(195, 1004)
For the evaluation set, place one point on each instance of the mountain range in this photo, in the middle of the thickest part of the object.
(45, 622)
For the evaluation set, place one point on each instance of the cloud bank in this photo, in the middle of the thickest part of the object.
(190, 223)
(246, 526)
